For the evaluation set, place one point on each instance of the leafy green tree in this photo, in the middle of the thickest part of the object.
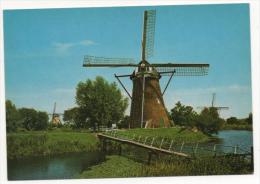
(28, 117)
(124, 123)
(209, 121)
(100, 103)
(32, 119)
(232, 121)
(249, 120)
(42, 121)
(75, 117)
(183, 115)
(12, 117)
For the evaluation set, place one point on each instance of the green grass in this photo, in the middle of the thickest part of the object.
(49, 143)
(114, 166)
(175, 133)
(205, 166)
(118, 166)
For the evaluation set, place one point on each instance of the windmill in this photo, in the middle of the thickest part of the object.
(55, 117)
(147, 105)
(218, 108)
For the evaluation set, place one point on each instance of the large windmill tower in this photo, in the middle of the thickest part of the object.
(147, 105)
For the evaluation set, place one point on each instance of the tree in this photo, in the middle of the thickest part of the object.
(28, 118)
(100, 103)
(42, 121)
(33, 120)
(12, 117)
(183, 115)
(249, 120)
(124, 123)
(209, 121)
(232, 121)
(75, 117)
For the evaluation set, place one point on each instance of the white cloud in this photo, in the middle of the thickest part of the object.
(64, 47)
(87, 42)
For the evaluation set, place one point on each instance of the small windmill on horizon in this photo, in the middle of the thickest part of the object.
(147, 105)
(55, 117)
(213, 104)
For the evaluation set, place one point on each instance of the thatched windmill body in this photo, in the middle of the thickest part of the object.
(55, 117)
(147, 105)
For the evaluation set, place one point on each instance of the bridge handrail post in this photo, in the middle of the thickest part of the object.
(235, 149)
(161, 143)
(196, 148)
(171, 145)
(214, 150)
(182, 146)
(152, 142)
(145, 140)
(133, 137)
(139, 138)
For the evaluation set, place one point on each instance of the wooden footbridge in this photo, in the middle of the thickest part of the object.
(170, 147)
(144, 145)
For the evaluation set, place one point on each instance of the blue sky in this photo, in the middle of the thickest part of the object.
(44, 51)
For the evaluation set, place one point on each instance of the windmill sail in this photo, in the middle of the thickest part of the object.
(182, 69)
(93, 61)
(148, 34)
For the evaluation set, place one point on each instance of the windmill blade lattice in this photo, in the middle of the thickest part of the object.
(148, 34)
(93, 61)
(182, 69)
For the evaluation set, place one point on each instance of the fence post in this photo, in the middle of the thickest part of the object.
(139, 138)
(214, 150)
(133, 137)
(145, 140)
(152, 142)
(171, 145)
(161, 142)
(235, 150)
(182, 146)
(195, 151)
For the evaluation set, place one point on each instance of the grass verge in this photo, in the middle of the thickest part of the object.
(177, 134)
(118, 166)
(114, 166)
(49, 143)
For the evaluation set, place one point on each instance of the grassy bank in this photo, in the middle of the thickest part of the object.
(61, 141)
(114, 166)
(49, 143)
(118, 166)
(177, 134)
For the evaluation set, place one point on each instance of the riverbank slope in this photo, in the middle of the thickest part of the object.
(38, 143)
(49, 143)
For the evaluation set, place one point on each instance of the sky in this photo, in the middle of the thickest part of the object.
(44, 51)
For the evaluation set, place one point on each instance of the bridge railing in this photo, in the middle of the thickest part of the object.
(193, 149)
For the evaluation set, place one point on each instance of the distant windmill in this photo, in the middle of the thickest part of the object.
(213, 104)
(147, 105)
(55, 117)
